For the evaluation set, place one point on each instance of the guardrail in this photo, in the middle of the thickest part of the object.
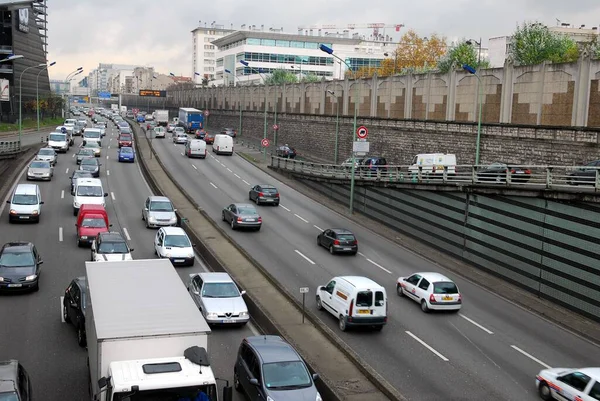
(9, 148)
(512, 176)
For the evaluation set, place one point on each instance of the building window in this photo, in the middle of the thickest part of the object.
(296, 44)
(219, 62)
(267, 42)
(282, 43)
(251, 41)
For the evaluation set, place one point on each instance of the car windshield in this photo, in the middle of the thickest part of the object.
(126, 150)
(286, 375)
(58, 137)
(220, 290)
(161, 206)
(113, 247)
(25, 200)
(246, 210)
(177, 241)
(16, 259)
(92, 134)
(87, 190)
(46, 152)
(445, 287)
(40, 164)
(95, 223)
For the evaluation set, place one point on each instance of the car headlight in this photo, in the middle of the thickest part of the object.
(76, 204)
(34, 212)
(270, 399)
(152, 218)
(32, 277)
(318, 397)
(211, 315)
(173, 219)
(243, 314)
(29, 173)
(190, 255)
(168, 255)
(1, 279)
(13, 211)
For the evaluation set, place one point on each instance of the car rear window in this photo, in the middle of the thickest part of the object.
(125, 138)
(269, 190)
(346, 237)
(379, 298)
(445, 287)
(364, 298)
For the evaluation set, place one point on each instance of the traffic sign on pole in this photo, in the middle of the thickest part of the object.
(264, 143)
(275, 127)
(362, 132)
(206, 113)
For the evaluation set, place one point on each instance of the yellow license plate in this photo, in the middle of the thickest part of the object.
(363, 311)
(446, 298)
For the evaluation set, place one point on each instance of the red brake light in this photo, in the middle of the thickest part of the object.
(350, 310)
(527, 171)
(432, 299)
(459, 298)
(260, 194)
(355, 242)
(277, 195)
(260, 219)
(336, 242)
(239, 219)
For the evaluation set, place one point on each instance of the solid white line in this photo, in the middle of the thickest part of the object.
(106, 157)
(361, 254)
(475, 323)
(62, 316)
(67, 172)
(195, 168)
(112, 195)
(126, 234)
(107, 172)
(423, 343)
(108, 146)
(533, 358)
(246, 182)
(62, 194)
(307, 259)
(285, 208)
(229, 170)
(237, 176)
(378, 265)
(318, 228)
(181, 153)
(60, 234)
(301, 218)
(73, 155)
(213, 185)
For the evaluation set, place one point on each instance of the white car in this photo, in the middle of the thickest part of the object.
(110, 247)
(569, 384)
(174, 244)
(433, 291)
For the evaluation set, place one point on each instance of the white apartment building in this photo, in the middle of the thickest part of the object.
(99, 78)
(204, 54)
(117, 82)
(270, 51)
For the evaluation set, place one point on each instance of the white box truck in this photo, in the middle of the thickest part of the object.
(161, 117)
(146, 338)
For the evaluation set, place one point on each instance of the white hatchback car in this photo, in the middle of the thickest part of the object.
(174, 244)
(569, 384)
(433, 291)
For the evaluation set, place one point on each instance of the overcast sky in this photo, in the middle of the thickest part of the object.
(157, 32)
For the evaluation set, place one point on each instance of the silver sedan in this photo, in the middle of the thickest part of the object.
(218, 298)
(47, 155)
(40, 170)
(242, 215)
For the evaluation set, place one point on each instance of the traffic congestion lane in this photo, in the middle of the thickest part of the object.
(459, 324)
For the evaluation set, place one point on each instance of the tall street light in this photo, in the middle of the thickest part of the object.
(37, 92)
(21, 98)
(70, 79)
(329, 50)
(238, 80)
(69, 75)
(11, 58)
(337, 125)
(471, 42)
(473, 71)
(246, 64)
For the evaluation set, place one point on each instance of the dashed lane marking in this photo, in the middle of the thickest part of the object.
(533, 358)
(301, 218)
(318, 228)
(285, 208)
(378, 265)
(304, 256)
(429, 347)
(213, 185)
(195, 168)
(126, 234)
(60, 234)
(62, 194)
(112, 195)
(246, 182)
(475, 323)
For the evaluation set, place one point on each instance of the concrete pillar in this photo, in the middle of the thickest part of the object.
(428, 100)
(302, 97)
(451, 103)
(582, 91)
(540, 92)
(374, 92)
(346, 102)
(391, 80)
(506, 99)
(284, 98)
(408, 96)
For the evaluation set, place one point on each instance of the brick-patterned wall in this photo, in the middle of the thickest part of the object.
(557, 103)
(594, 112)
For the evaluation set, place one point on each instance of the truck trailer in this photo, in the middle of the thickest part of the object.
(146, 338)
(190, 119)
(161, 117)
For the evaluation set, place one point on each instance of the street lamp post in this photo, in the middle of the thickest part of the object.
(246, 64)
(9, 58)
(21, 98)
(329, 50)
(470, 42)
(473, 71)
(238, 80)
(69, 75)
(37, 92)
(337, 125)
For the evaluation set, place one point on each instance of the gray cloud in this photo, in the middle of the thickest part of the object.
(157, 32)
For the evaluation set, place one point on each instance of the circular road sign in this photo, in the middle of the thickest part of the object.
(206, 113)
(265, 143)
(362, 132)
(275, 127)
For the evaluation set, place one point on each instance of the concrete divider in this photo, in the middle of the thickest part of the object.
(345, 376)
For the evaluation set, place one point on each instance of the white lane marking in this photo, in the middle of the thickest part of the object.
(301, 218)
(62, 315)
(280, 205)
(361, 254)
(246, 182)
(378, 265)
(109, 146)
(181, 153)
(229, 170)
(195, 168)
(430, 348)
(213, 185)
(237, 176)
(475, 323)
(307, 259)
(533, 358)
(60, 234)
(67, 171)
(112, 195)
(174, 144)
(126, 234)
(73, 155)
(62, 194)
(107, 172)
(106, 157)
(318, 228)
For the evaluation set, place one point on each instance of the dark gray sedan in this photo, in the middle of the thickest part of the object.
(338, 240)
(84, 153)
(242, 215)
(91, 165)
(266, 194)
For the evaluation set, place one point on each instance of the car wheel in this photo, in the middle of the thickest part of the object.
(232, 225)
(78, 242)
(65, 315)
(399, 290)
(223, 216)
(37, 286)
(250, 196)
(318, 241)
(81, 340)
(74, 212)
(236, 381)
(257, 201)
(319, 304)
(258, 228)
(424, 306)
(544, 391)
(331, 251)
(342, 323)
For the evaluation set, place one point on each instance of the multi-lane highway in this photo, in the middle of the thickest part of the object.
(31, 329)
(491, 350)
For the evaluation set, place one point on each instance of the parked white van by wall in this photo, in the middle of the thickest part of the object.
(223, 145)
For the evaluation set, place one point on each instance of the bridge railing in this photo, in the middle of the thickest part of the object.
(524, 176)
(9, 148)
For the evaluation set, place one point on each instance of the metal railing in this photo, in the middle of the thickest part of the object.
(9, 148)
(513, 176)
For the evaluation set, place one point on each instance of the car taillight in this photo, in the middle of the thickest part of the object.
(336, 242)
(350, 310)
(260, 219)
(527, 171)
(261, 194)
(277, 195)
(432, 299)
(355, 242)
(239, 219)
(459, 298)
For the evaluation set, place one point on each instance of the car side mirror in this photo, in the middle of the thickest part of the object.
(131, 250)
(315, 376)
(242, 292)
(7, 201)
(73, 193)
(40, 262)
(110, 225)
(174, 210)
(105, 194)
(193, 245)
(196, 292)
(99, 164)
(146, 209)
(254, 382)
(42, 202)
(76, 225)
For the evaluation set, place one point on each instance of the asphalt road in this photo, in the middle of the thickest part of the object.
(32, 331)
(29, 138)
(492, 350)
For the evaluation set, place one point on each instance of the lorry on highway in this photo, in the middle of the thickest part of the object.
(114, 107)
(161, 117)
(190, 119)
(142, 346)
(123, 110)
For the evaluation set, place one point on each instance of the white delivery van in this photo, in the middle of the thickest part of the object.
(223, 144)
(88, 191)
(59, 141)
(93, 135)
(25, 203)
(433, 163)
(354, 301)
(195, 148)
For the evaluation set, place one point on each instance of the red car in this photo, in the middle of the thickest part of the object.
(91, 220)
(125, 140)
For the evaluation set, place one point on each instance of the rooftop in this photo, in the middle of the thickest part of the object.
(240, 35)
(273, 349)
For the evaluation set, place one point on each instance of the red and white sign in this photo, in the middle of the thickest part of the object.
(265, 143)
(206, 113)
(275, 127)
(362, 132)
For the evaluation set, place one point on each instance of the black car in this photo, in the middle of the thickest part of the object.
(497, 172)
(267, 194)
(200, 134)
(372, 164)
(74, 307)
(20, 265)
(229, 131)
(286, 151)
(338, 240)
(584, 175)
(15, 384)
(91, 165)
(78, 174)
